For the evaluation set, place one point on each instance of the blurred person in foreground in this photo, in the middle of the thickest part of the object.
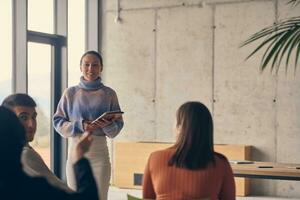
(16, 184)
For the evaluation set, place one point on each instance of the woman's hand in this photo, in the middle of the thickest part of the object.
(89, 126)
(83, 145)
(102, 123)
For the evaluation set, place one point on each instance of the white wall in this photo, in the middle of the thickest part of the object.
(166, 52)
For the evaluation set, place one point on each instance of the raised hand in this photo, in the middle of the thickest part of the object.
(83, 145)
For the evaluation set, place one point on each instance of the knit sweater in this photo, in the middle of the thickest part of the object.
(86, 101)
(164, 182)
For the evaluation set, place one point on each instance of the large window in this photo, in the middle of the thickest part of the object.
(39, 87)
(40, 19)
(6, 48)
(48, 36)
(40, 15)
(76, 39)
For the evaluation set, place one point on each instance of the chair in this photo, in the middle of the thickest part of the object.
(130, 197)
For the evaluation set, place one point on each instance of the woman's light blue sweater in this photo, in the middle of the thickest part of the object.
(86, 101)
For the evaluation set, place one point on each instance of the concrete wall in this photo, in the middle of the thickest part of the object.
(165, 52)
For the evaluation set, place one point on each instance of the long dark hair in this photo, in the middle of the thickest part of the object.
(194, 146)
(12, 140)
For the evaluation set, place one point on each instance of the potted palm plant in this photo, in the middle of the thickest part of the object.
(280, 42)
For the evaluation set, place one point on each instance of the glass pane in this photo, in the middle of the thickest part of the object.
(40, 15)
(76, 39)
(6, 48)
(39, 85)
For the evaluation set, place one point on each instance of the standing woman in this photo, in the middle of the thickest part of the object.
(190, 169)
(77, 108)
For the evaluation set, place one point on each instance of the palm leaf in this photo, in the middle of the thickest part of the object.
(294, 2)
(285, 43)
(267, 31)
(280, 39)
(293, 45)
(273, 52)
(297, 56)
(270, 39)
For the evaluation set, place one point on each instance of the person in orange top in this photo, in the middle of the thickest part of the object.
(190, 169)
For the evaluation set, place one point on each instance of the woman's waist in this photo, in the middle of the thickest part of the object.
(98, 132)
(99, 143)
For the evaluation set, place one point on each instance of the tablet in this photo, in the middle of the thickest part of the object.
(109, 115)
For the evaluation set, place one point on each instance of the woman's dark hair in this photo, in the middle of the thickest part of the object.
(95, 53)
(12, 140)
(194, 146)
(18, 99)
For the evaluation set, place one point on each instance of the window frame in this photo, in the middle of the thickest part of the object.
(59, 65)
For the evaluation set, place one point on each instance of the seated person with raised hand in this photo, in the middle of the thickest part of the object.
(33, 164)
(190, 169)
(16, 185)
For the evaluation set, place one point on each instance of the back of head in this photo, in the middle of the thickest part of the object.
(12, 140)
(194, 146)
(18, 99)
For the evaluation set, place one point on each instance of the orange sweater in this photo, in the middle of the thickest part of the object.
(165, 182)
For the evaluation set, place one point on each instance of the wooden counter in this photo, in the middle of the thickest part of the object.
(267, 170)
(130, 159)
